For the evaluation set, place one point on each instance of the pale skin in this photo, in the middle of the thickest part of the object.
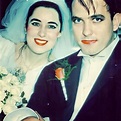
(43, 26)
(93, 31)
(120, 18)
(33, 119)
(41, 34)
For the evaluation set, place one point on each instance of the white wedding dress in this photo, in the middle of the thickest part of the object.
(7, 59)
(6, 50)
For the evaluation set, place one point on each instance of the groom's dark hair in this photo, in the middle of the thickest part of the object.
(113, 6)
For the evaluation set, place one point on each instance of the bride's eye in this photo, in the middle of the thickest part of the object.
(51, 26)
(35, 24)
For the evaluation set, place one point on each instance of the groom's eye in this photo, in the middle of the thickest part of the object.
(76, 20)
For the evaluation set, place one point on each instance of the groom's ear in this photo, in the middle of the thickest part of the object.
(116, 21)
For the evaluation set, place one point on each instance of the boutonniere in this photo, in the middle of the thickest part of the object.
(63, 70)
(62, 73)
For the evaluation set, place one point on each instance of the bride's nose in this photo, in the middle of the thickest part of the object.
(42, 31)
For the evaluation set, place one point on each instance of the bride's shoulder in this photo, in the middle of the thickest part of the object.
(5, 42)
(18, 46)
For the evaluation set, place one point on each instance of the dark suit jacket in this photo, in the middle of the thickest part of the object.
(102, 104)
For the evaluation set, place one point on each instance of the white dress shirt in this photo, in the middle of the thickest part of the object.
(90, 70)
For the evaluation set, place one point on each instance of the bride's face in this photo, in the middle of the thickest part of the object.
(43, 30)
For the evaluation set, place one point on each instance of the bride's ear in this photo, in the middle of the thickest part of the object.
(116, 21)
(25, 31)
(59, 34)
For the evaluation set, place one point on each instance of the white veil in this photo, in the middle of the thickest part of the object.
(15, 18)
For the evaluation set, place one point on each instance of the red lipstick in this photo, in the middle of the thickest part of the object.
(88, 41)
(40, 42)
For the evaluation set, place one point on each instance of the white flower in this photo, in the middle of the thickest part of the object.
(17, 98)
(0, 109)
(8, 108)
(15, 90)
(10, 101)
(11, 90)
(3, 70)
(2, 95)
(2, 83)
(1, 105)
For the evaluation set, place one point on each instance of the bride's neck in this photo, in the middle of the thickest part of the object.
(32, 57)
(29, 60)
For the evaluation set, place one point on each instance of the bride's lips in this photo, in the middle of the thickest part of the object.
(88, 41)
(40, 42)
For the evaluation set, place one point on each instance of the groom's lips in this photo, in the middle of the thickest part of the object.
(40, 42)
(88, 41)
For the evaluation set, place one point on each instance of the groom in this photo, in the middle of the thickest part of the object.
(86, 85)
(92, 89)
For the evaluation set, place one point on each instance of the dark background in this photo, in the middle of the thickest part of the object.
(3, 5)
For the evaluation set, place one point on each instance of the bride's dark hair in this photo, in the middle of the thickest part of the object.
(46, 4)
(16, 19)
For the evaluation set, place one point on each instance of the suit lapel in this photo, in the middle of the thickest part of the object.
(72, 82)
(108, 72)
(106, 75)
(72, 85)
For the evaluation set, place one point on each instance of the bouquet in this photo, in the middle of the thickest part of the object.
(11, 91)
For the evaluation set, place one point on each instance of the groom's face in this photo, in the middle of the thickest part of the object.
(94, 30)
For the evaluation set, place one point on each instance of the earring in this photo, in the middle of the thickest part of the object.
(25, 32)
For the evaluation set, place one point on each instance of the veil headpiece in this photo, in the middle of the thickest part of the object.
(15, 19)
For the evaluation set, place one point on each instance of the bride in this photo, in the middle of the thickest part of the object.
(41, 32)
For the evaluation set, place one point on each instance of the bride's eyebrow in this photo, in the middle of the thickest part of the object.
(34, 19)
(51, 22)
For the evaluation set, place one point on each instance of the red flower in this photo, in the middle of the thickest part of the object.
(59, 73)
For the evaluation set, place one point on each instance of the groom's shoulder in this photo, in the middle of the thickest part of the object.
(72, 58)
